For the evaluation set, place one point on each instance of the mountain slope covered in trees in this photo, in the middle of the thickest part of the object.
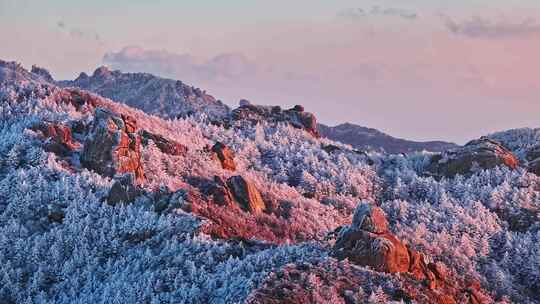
(104, 203)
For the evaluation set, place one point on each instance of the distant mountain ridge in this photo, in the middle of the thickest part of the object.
(154, 95)
(372, 139)
(170, 98)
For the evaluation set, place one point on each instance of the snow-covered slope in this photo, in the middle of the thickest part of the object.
(101, 202)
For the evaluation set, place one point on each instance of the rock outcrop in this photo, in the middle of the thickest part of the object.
(82, 101)
(166, 146)
(113, 146)
(482, 153)
(123, 190)
(225, 156)
(246, 194)
(368, 242)
(220, 192)
(59, 138)
(296, 116)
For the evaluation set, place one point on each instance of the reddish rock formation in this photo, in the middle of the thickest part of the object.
(124, 189)
(60, 139)
(113, 146)
(482, 153)
(166, 146)
(81, 100)
(303, 120)
(296, 116)
(220, 192)
(225, 156)
(367, 242)
(246, 194)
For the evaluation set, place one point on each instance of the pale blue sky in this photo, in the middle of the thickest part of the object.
(456, 70)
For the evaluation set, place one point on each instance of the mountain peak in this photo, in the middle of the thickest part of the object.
(163, 97)
(43, 73)
(102, 72)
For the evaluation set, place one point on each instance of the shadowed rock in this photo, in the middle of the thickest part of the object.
(220, 192)
(113, 146)
(124, 189)
(482, 153)
(246, 194)
(330, 148)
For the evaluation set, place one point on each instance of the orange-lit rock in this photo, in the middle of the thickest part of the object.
(225, 156)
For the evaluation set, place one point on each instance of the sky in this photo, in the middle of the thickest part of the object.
(416, 69)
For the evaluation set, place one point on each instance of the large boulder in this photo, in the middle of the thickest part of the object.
(225, 156)
(295, 116)
(167, 146)
(113, 145)
(123, 189)
(368, 242)
(482, 153)
(246, 194)
(220, 192)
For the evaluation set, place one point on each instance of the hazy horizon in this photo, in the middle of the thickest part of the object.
(420, 70)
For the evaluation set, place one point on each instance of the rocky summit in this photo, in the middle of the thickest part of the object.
(129, 188)
(155, 95)
(295, 116)
(482, 153)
